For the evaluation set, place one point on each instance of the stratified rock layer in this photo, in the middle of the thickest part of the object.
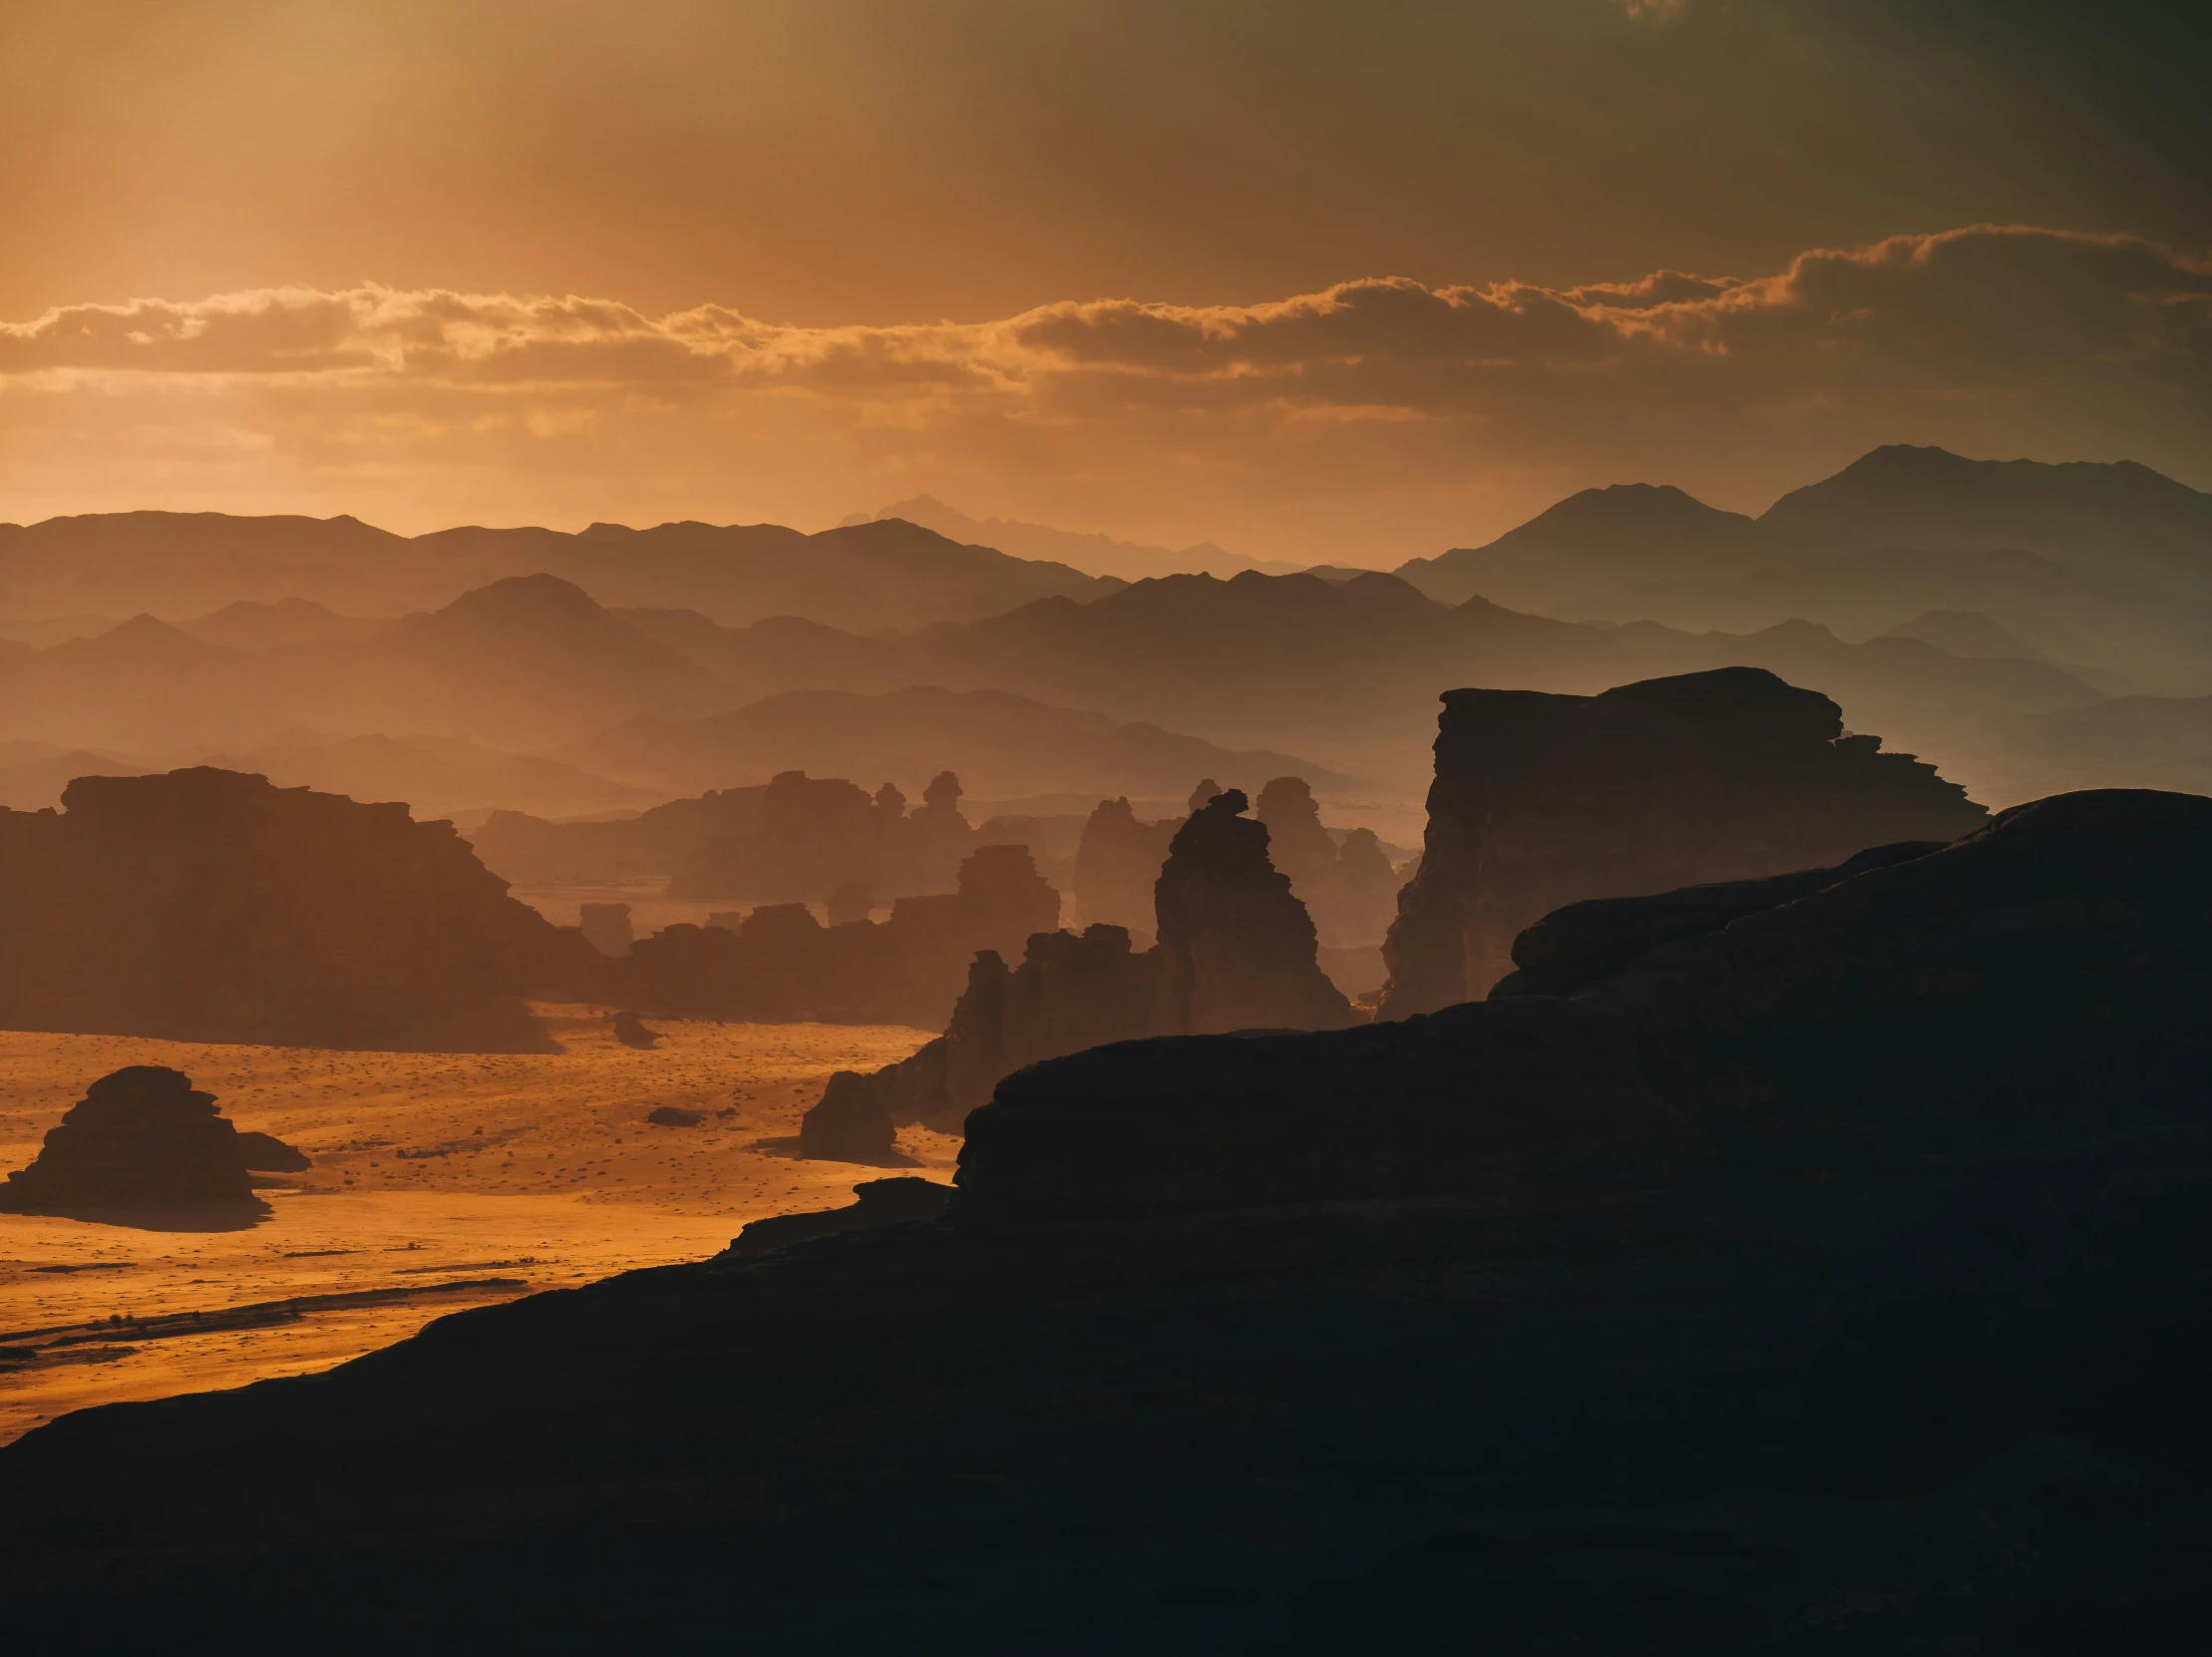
(1543, 800)
(208, 906)
(140, 1137)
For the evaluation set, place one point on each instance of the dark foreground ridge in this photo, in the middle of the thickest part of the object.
(1826, 1274)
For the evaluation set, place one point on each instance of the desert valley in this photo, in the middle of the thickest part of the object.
(1096, 828)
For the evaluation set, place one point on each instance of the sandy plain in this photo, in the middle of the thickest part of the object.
(440, 1181)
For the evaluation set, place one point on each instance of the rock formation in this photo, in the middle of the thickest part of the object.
(208, 906)
(606, 927)
(2037, 975)
(1069, 993)
(847, 1126)
(881, 1202)
(265, 1153)
(780, 964)
(1467, 1101)
(1350, 890)
(810, 836)
(1116, 862)
(629, 1029)
(651, 845)
(1542, 800)
(1236, 951)
(1235, 948)
(140, 1137)
(849, 901)
(1825, 1270)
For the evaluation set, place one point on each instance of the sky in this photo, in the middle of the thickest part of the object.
(1341, 281)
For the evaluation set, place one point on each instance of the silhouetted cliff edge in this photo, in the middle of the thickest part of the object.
(1542, 800)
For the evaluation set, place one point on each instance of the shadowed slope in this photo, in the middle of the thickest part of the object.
(1347, 1332)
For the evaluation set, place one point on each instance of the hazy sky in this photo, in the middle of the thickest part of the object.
(1114, 265)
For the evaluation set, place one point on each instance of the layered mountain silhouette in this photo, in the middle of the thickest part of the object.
(1347, 671)
(33, 774)
(892, 575)
(1101, 555)
(437, 776)
(2080, 559)
(2117, 516)
(525, 662)
(1000, 745)
(2033, 591)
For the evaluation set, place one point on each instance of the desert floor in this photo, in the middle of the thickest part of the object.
(440, 1181)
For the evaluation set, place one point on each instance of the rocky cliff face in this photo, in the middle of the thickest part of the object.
(1542, 800)
(208, 906)
(140, 1137)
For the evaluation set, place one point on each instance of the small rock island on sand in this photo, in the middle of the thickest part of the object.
(140, 1137)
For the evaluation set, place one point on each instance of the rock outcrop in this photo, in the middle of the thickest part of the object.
(1116, 862)
(809, 836)
(208, 906)
(1236, 950)
(1070, 992)
(781, 963)
(847, 1126)
(2046, 975)
(881, 1202)
(265, 1153)
(1573, 945)
(1828, 1272)
(140, 1137)
(1350, 890)
(2041, 975)
(1544, 800)
(606, 927)
(1487, 1097)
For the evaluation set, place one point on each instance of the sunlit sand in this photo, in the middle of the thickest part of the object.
(502, 1175)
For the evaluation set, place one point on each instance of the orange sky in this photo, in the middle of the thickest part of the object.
(327, 258)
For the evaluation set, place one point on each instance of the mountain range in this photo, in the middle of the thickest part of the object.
(2109, 565)
(1956, 652)
(1100, 555)
(1000, 744)
(868, 577)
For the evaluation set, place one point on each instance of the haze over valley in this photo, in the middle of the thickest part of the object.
(837, 827)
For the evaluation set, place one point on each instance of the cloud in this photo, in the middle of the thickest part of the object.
(1401, 406)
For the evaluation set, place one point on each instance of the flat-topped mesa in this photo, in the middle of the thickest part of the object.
(1540, 801)
(140, 1137)
(208, 906)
